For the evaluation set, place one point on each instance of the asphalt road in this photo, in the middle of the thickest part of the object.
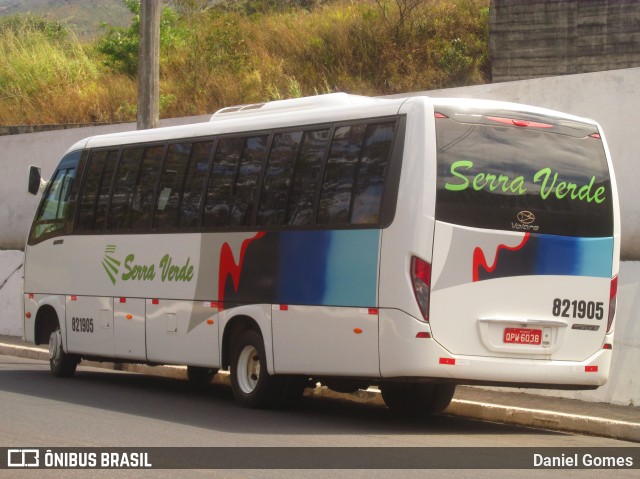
(102, 408)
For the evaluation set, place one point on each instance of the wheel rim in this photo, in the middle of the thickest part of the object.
(248, 370)
(55, 341)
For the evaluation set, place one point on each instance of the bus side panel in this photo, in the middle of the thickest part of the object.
(129, 328)
(29, 317)
(324, 286)
(89, 321)
(325, 340)
(411, 233)
(182, 332)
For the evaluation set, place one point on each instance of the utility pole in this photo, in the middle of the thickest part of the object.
(149, 65)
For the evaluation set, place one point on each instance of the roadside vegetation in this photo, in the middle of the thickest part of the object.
(242, 51)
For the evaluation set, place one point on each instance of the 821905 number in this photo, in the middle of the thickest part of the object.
(82, 325)
(580, 309)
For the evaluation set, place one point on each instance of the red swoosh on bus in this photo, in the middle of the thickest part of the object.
(228, 266)
(480, 260)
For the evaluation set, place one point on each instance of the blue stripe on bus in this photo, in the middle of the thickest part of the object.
(554, 255)
(321, 267)
(561, 255)
(337, 267)
(352, 274)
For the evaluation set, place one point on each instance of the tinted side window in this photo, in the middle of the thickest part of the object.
(75, 188)
(221, 183)
(372, 169)
(104, 193)
(126, 180)
(171, 181)
(195, 184)
(339, 176)
(246, 186)
(276, 188)
(143, 199)
(306, 176)
(86, 216)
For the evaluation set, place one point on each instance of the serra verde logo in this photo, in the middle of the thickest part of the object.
(129, 270)
(546, 177)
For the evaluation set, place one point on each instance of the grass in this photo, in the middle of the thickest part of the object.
(220, 57)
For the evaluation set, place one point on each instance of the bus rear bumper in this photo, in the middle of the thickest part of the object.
(406, 353)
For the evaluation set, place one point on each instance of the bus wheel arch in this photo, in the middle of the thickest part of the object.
(232, 330)
(46, 322)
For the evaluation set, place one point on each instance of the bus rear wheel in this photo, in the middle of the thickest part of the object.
(441, 397)
(250, 381)
(417, 399)
(61, 364)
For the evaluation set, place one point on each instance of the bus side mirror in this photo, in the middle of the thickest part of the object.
(35, 180)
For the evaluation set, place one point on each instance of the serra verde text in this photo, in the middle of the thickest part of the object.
(546, 177)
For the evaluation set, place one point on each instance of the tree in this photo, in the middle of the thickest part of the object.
(119, 45)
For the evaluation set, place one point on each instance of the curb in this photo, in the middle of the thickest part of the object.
(535, 418)
(541, 419)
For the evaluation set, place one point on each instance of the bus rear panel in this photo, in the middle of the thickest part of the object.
(524, 278)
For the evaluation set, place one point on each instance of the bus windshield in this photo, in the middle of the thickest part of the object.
(522, 172)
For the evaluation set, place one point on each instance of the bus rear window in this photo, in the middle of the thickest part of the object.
(522, 173)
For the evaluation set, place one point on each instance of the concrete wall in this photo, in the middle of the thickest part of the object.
(11, 292)
(538, 38)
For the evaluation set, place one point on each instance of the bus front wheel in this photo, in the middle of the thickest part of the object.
(62, 365)
(250, 381)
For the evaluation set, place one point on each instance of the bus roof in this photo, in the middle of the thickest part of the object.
(277, 114)
(300, 111)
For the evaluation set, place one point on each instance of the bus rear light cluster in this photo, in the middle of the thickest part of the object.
(613, 299)
(421, 281)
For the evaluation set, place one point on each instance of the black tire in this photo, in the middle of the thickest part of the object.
(199, 376)
(250, 381)
(441, 397)
(417, 399)
(61, 364)
(407, 399)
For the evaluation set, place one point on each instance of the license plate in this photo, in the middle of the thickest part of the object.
(522, 336)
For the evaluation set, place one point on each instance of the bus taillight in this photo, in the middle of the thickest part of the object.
(421, 280)
(613, 295)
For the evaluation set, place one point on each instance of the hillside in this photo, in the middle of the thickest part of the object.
(232, 53)
(82, 17)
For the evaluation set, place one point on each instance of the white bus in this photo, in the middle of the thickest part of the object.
(411, 243)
